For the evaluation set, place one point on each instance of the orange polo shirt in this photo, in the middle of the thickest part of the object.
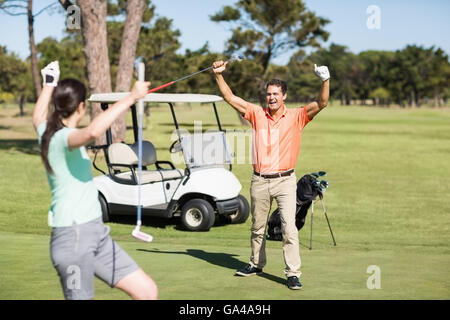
(276, 144)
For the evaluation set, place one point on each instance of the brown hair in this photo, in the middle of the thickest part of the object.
(279, 83)
(66, 99)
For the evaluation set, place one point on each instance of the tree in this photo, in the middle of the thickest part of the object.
(380, 96)
(373, 77)
(69, 52)
(134, 16)
(95, 48)
(95, 43)
(417, 73)
(439, 75)
(303, 84)
(343, 68)
(266, 28)
(158, 45)
(25, 7)
(16, 78)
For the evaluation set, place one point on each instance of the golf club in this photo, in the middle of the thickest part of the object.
(137, 233)
(324, 184)
(319, 174)
(234, 58)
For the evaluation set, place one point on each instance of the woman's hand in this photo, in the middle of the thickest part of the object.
(50, 74)
(140, 89)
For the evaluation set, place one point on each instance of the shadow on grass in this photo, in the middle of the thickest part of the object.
(162, 222)
(220, 259)
(146, 221)
(28, 146)
(224, 260)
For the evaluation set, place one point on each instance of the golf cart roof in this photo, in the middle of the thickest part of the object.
(157, 97)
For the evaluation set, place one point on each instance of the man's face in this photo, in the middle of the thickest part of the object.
(274, 98)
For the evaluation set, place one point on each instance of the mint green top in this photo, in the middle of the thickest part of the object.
(74, 194)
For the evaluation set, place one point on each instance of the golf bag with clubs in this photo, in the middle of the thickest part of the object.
(308, 188)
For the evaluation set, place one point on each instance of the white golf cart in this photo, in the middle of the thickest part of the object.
(206, 187)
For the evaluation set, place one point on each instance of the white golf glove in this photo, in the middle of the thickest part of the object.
(322, 72)
(50, 74)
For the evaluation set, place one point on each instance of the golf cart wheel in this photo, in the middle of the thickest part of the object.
(104, 206)
(242, 213)
(197, 215)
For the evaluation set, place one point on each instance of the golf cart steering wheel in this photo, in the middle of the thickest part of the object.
(175, 147)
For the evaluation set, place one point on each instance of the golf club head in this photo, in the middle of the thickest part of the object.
(315, 174)
(324, 184)
(141, 235)
(322, 173)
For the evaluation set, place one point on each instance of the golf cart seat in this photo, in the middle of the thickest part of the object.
(123, 163)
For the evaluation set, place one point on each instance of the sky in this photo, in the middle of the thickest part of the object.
(393, 25)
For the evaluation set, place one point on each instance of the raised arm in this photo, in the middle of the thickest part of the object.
(236, 102)
(50, 76)
(105, 119)
(315, 107)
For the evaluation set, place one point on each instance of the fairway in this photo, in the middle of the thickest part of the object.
(388, 204)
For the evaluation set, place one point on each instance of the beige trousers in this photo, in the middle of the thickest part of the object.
(283, 190)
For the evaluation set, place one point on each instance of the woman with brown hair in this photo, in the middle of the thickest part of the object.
(80, 245)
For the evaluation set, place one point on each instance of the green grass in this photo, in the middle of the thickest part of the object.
(388, 204)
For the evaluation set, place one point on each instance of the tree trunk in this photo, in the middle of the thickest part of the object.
(93, 29)
(34, 63)
(347, 100)
(436, 98)
(412, 99)
(21, 103)
(130, 37)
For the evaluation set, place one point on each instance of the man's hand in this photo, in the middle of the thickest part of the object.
(50, 74)
(322, 72)
(219, 66)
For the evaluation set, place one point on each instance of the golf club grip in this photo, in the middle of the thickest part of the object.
(160, 87)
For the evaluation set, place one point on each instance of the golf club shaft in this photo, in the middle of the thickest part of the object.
(172, 82)
(160, 87)
(141, 76)
(185, 77)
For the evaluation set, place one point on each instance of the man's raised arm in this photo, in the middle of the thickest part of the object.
(237, 103)
(315, 107)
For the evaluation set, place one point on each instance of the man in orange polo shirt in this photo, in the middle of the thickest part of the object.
(276, 145)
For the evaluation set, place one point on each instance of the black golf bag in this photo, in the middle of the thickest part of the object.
(308, 189)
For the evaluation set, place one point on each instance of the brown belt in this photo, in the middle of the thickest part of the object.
(274, 175)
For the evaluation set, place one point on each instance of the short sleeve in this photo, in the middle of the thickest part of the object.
(303, 119)
(250, 113)
(41, 129)
(65, 136)
(61, 138)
